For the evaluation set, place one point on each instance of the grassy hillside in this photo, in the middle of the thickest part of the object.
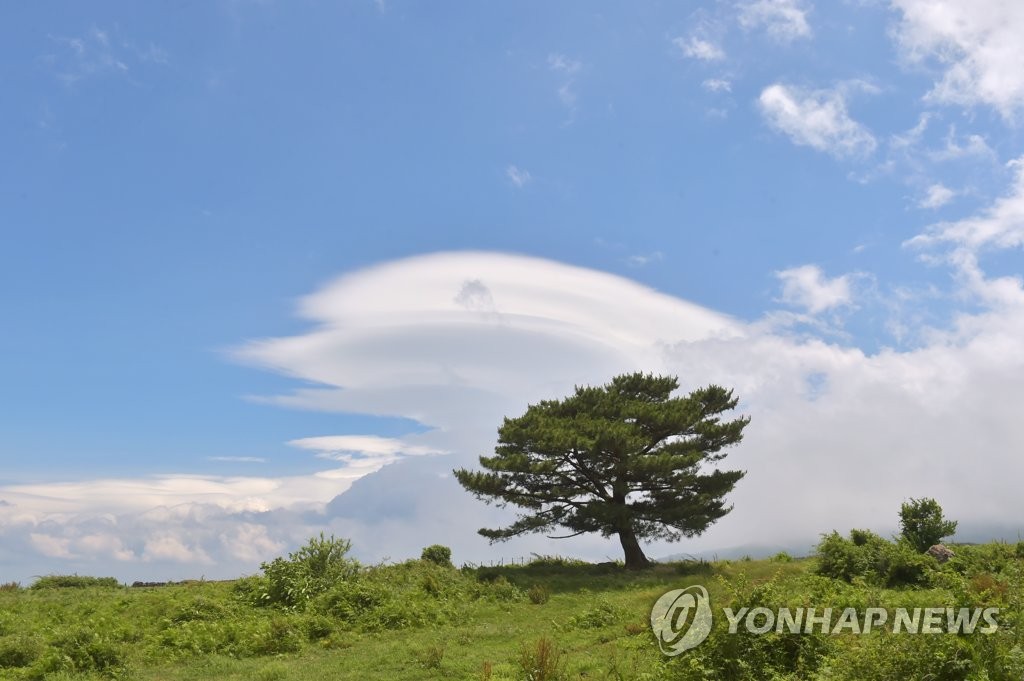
(551, 619)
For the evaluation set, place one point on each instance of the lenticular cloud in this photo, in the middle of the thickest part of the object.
(395, 338)
(839, 438)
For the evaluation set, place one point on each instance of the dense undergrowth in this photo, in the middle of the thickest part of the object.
(319, 614)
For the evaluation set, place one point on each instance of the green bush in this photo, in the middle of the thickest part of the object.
(308, 572)
(499, 589)
(349, 601)
(318, 627)
(19, 651)
(538, 594)
(199, 609)
(995, 558)
(903, 566)
(936, 658)
(437, 554)
(73, 582)
(744, 656)
(845, 559)
(602, 614)
(281, 635)
(83, 649)
(867, 556)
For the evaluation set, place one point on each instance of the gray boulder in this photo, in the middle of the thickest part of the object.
(940, 553)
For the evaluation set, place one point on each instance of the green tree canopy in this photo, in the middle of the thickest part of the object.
(922, 523)
(620, 459)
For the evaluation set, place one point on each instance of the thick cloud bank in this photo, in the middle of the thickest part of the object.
(456, 341)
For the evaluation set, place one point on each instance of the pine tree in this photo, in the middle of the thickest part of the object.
(621, 459)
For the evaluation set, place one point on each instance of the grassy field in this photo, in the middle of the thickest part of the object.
(550, 619)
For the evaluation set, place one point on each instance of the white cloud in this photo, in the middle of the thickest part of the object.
(251, 543)
(568, 69)
(237, 459)
(977, 45)
(974, 145)
(518, 176)
(699, 48)
(998, 227)
(784, 20)
(936, 196)
(172, 548)
(817, 119)
(103, 545)
(38, 501)
(717, 85)
(644, 259)
(51, 547)
(808, 287)
(98, 53)
(362, 454)
(567, 94)
(456, 341)
(563, 64)
(912, 156)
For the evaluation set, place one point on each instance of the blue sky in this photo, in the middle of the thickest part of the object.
(830, 187)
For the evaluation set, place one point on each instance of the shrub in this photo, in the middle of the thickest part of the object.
(348, 601)
(282, 635)
(862, 555)
(250, 589)
(601, 615)
(782, 557)
(308, 572)
(866, 555)
(903, 566)
(744, 656)
(73, 582)
(995, 557)
(10, 586)
(538, 594)
(82, 650)
(318, 627)
(437, 554)
(499, 589)
(19, 651)
(542, 661)
(200, 609)
(488, 575)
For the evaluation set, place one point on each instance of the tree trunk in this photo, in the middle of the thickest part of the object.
(635, 558)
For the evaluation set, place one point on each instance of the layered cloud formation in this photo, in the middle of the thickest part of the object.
(456, 341)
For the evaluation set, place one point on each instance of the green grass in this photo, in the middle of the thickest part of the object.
(550, 620)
